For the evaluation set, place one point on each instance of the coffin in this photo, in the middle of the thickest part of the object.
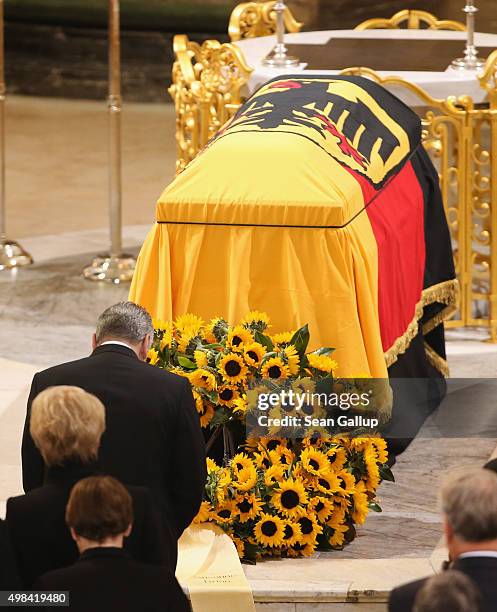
(317, 204)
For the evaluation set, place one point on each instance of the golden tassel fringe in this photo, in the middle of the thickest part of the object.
(446, 293)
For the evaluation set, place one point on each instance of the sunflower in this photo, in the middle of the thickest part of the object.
(346, 482)
(302, 550)
(381, 449)
(256, 320)
(240, 546)
(337, 536)
(292, 359)
(290, 498)
(241, 461)
(292, 533)
(264, 460)
(271, 443)
(337, 458)
(204, 512)
(248, 506)
(240, 405)
(152, 356)
(228, 394)
(275, 368)
(253, 353)
(373, 472)
(322, 506)
(310, 528)
(199, 402)
(204, 379)
(246, 479)
(238, 337)
(186, 341)
(283, 338)
(189, 323)
(212, 466)
(207, 415)
(314, 461)
(167, 337)
(323, 363)
(225, 512)
(286, 456)
(200, 358)
(360, 504)
(273, 475)
(327, 483)
(232, 368)
(269, 530)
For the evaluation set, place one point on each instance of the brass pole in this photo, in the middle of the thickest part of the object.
(114, 105)
(12, 254)
(114, 267)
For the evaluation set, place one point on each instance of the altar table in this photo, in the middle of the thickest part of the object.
(437, 83)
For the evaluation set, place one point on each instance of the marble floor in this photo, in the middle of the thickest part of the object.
(47, 313)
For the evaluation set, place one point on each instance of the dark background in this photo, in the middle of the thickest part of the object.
(59, 47)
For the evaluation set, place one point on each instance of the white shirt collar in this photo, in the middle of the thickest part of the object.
(117, 342)
(478, 553)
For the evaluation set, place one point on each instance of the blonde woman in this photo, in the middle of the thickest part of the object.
(66, 425)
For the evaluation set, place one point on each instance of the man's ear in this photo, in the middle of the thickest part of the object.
(94, 341)
(74, 535)
(128, 530)
(145, 344)
(448, 531)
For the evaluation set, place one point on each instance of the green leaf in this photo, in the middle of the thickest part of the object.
(386, 473)
(264, 340)
(375, 507)
(184, 362)
(221, 417)
(300, 339)
(324, 351)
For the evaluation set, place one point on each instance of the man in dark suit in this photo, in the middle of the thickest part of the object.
(99, 514)
(153, 436)
(469, 503)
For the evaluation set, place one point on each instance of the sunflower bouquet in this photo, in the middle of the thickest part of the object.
(289, 498)
(222, 361)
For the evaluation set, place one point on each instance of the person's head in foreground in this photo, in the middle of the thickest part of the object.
(468, 499)
(451, 591)
(66, 425)
(99, 513)
(128, 323)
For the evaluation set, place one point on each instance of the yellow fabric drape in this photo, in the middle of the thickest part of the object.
(324, 277)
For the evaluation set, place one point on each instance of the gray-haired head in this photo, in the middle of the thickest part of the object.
(124, 321)
(450, 591)
(468, 498)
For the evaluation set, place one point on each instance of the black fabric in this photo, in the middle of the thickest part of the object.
(482, 570)
(42, 542)
(152, 436)
(9, 577)
(106, 579)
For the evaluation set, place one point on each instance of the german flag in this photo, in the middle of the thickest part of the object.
(316, 203)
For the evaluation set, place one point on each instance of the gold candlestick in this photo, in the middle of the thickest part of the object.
(12, 255)
(114, 267)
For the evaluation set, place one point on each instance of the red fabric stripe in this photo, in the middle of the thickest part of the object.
(397, 219)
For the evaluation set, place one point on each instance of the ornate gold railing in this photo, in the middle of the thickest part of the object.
(206, 84)
(413, 20)
(252, 19)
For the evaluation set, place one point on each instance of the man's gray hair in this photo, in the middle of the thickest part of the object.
(468, 498)
(124, 321)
